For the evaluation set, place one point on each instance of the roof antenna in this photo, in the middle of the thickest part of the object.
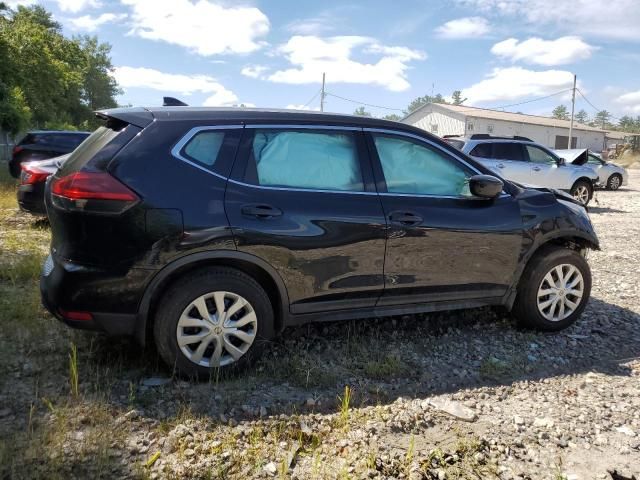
(173, 102)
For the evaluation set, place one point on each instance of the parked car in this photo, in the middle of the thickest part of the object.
(610, 175)
(33, 176)
(43, 144)
(521, 160)
(210, 230)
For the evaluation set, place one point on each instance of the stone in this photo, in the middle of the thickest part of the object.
(155, 381)
(453, 408)
(270, 469)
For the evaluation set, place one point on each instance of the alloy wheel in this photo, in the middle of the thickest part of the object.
(217, 329)
(581, 193)
(614, 182)
(560, 292)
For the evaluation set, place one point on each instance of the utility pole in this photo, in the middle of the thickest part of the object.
(322, 94)
(573, 105)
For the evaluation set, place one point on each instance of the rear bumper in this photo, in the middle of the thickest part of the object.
(111, 299)
(31, 198)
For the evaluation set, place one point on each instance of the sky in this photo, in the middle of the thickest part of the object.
(503, 54)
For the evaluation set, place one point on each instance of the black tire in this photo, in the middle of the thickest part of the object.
(613, 185)
(176, 299)
(14, 168)
(579, 184)
(525, 308)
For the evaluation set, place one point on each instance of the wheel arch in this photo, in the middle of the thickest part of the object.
(261, 271)
(574, 240)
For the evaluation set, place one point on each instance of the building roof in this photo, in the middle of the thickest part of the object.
(476, 112)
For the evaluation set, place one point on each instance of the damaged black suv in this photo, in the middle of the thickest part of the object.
(209, 230)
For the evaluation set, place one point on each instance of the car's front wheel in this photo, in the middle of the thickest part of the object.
(554, 289)
(218, 318)
(614, 182)
(582, 191)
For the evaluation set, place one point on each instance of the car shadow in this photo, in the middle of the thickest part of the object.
(307, 367)
(593, 209)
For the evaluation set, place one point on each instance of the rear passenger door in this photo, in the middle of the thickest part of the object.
(303, 199)
(511, 161)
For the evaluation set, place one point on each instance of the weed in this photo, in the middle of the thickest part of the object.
(73, 370)
(387, 367)
(344, 405)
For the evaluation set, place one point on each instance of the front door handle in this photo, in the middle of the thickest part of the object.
(406, 219)
(501, 165)
(537, 169)
(260, 210)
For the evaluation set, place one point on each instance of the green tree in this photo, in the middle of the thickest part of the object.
(456, 98)
(392, 117)
(50, 80)
(582, 117)
(361, 111)
(602, 119)
(626, 123)
(560, 112)
(416, 103)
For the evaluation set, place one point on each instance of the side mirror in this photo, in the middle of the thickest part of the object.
(485, 186)
(561, 161)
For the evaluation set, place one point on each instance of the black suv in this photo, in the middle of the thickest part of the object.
(43, 144)
(210, 230)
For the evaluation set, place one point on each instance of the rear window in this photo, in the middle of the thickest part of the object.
(483, 150)
(95, 143)
(508, 151)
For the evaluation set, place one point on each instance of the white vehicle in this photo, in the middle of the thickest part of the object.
(523, 161)
(610, 175)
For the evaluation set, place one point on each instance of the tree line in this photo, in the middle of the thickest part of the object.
(416, 103)
(47, 80)
(601, 119)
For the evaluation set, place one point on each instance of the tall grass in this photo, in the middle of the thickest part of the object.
(73, 370)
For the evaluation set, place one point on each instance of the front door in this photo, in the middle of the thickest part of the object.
(442, 243)
(545, 171)
(303, 200)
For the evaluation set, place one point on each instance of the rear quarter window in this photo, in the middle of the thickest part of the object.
(482, 150)
(455, 143)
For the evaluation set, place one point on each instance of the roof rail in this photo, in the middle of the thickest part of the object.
(173, 102)
(486, 136)
(452, 136)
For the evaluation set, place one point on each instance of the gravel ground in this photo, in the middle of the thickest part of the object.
(460, 395)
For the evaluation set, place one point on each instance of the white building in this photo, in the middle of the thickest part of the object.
(443, 119)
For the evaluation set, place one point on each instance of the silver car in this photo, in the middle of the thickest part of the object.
(610, 175)
(523, 161)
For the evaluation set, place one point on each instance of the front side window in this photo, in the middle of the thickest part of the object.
(593, 160)
(508, 151)
(306, 159)
(538, 155)
(414, 168)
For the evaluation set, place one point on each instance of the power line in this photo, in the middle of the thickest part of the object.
(313, 98)
(362, 103)
(593, 106)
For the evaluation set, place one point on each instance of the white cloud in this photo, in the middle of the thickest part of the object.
(254, 71)
(13, 4)
(544, 52)
(91, 24)
(630, 101)
(310, 56)
(293, 106)
(467, 27)
(129, 77)
(74, 6)
(514, 83)
(205, 27)
(617, 19)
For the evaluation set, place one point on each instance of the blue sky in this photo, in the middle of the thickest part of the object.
(272, 53)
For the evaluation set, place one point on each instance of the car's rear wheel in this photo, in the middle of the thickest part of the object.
(614, 182)
(554, 289)
(582, 191)
(215, 320)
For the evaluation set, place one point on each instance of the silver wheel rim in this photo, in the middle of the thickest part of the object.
(614, 183)
(581, 194)
(216, 329)
(560, 292)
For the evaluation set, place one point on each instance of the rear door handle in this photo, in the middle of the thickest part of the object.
(406, 219)
(260, 210)
(537, 169)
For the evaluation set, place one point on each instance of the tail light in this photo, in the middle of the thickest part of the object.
(96, 192)
(17, 149)
(31, 175)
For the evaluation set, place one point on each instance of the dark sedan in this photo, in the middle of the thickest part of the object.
(32, 181)
(44, 144)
